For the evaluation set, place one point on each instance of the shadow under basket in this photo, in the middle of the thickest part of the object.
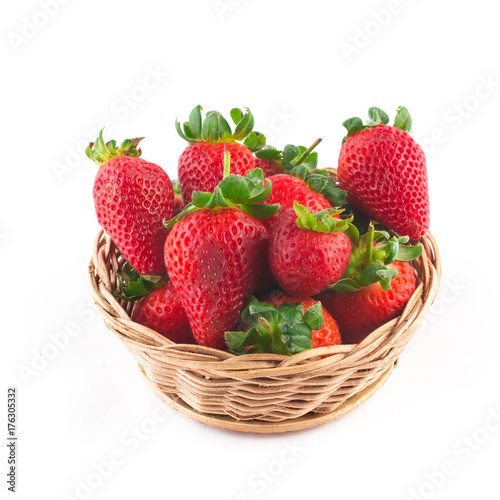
(263, 393)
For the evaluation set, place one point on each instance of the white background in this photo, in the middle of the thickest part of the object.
(302, 68)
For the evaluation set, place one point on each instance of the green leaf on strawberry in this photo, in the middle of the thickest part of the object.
(302, 162)
(321, 222)
(215, 128)
(285, 329)
(100, 152)
(175, 187)
(255, 141)
(322, 183)
(371, 255)
(245, 192)
(403, 119)
(135, 286)
(378, 117)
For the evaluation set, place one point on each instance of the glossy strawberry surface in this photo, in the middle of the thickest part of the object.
(305, 262)
(361, 312)
(269, 167)
(384, 173)
(286, 190)
(214, 258)
(163, 312)
(132, 198)
(201, 166)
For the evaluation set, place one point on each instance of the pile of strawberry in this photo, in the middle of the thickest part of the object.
(257, 250)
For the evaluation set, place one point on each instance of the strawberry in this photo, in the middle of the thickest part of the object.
(282, 324)
(132, 197)
(327, 335)
(299, 162)
(215, 251)
(308, 252)
(201, 163)
(269, 167)
(162, 311)
(286, 190)
(384, 172)
(361, 312)
(273, 161)
(376, 285)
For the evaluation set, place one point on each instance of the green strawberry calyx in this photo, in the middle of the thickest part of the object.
(321, 222)
(243, 192)
(286, 329)
(176, 187)
(378, 117)
(100, 152)
(134, 286)
(302, 162)
(215, 128)
(371, 255)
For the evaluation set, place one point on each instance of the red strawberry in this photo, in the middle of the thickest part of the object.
(307, 252)
(132, 198)
(162, 311)
(201, 163)
(269, 167)
(384, 172)
(282, 324)
(286, 190)
(361, 312)
(327, 335)
(214, 255)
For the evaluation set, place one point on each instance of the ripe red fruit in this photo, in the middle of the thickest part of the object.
(132, 198)
(201, 166)
(328, 334)
(269, 167)
(384, 172)
(214, 258)
(162, 311)
(303, 260)
(359, 313)
(286, 190)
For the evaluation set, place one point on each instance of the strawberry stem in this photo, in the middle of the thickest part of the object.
(306, 153)
(369, 245)
(227, 164)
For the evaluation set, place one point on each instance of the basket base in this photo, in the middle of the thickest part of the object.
(261, 427)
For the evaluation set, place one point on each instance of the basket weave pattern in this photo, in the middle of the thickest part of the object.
(261, 387)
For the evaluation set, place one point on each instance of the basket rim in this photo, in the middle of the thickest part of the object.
(117, 316)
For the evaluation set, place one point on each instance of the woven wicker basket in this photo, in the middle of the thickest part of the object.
(264, 393)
